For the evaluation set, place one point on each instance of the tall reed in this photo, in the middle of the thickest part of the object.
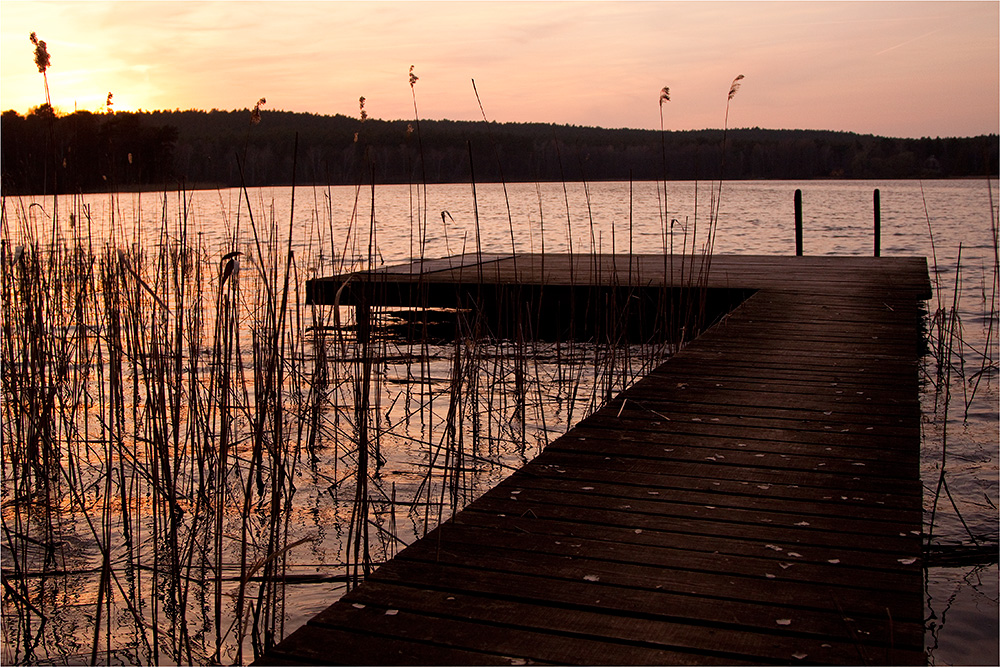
(131, 423)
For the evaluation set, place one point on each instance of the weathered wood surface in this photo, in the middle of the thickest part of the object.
(755, 499)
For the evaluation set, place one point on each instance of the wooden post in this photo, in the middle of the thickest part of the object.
(878, 224)
(798, 223)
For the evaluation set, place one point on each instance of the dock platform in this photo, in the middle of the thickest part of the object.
(754, 500)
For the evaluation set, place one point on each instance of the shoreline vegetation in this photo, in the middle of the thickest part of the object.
(82, 152)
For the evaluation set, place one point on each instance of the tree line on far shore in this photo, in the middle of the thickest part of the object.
(45, 153)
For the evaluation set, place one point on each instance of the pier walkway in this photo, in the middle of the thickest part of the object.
(755, 499)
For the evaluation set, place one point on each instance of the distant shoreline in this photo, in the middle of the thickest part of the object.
(90, 152)
(198, 187)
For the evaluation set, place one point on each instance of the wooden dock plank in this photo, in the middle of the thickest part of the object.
(815, 484)
(504, 630)
(756, 499)
(784, 495)
(764, 639)
(734, 507)
(814, 578)
(706, 521)
(311, 644)
(660, 548)
(563, 571)
(641, 628)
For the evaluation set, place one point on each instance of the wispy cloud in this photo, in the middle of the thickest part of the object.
(909, 41)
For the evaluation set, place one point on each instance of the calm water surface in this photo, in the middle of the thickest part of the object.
(943, 221)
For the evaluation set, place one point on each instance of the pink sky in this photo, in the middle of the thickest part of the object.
(903, 69)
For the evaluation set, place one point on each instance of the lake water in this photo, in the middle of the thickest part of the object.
(952, 223)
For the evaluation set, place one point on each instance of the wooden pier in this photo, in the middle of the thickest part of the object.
(755, 499)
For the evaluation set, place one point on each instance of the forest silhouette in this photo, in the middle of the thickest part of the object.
(44, 152)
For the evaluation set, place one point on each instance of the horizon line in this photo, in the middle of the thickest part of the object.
(264, 112)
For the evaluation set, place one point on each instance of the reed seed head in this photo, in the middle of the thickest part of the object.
(255, 114)
(413, 77)
(361, 105)
(42, 59)
(735, 86)
(664, 96)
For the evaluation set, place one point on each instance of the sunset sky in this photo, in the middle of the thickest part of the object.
(904, 69)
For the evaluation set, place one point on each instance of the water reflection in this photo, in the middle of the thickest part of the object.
(512, 400)
(962, 627)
